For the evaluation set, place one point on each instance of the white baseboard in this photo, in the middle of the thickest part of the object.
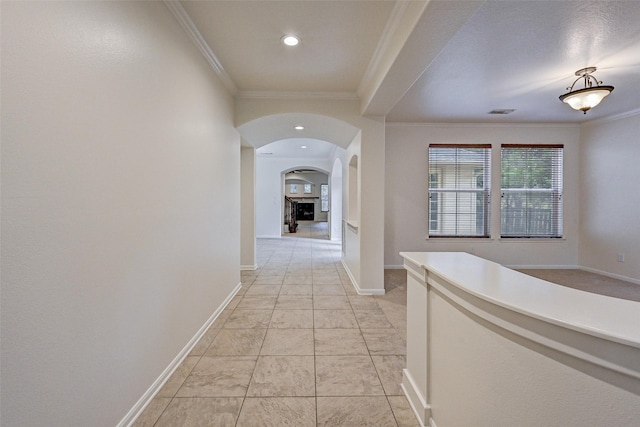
(146, 398)
(354, 282)
(612, 275)
(248, 267)
(419, 406)
(269, 237)
(394, 267)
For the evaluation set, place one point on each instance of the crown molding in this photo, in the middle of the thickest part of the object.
(348, 96)
(484, 125)
(392, 25)
(194, 34)
(613, 118)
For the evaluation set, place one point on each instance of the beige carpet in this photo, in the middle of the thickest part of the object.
(583, 280)
(589, 282)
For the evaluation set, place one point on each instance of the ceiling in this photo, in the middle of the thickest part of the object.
(439, 61)
(297, 148)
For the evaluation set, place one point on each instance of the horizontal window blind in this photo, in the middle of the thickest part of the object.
(459, 190)
(531, 190)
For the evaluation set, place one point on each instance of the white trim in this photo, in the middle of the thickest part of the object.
(394, 267)
(390, 29)
(151, 392)
(269, 237)
(194, 34)
(613, 118)
(248, 267)
(419, 406)
(612, 275)
(483, 124)
(349, 96)
(359, 290)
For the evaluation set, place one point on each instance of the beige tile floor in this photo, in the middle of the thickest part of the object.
(296, 347)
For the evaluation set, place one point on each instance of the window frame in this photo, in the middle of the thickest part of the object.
(530, 193)
(324, 198)
(439, 195)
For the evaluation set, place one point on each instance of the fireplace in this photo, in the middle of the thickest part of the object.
(305, 212)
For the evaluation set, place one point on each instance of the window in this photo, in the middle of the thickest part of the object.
(531, 191)
(324, 197)
(293, 189)
(433, 202)
(459, 190)
(307, 189)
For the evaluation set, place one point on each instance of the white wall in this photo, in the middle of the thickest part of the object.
(117, 244)
(406, 219)
(610, 198)
(270, 190)
(248, 209)
(335, 204)
(351, 258)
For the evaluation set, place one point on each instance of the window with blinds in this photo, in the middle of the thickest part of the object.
(531, 191)
(459, 190)
(324, 197)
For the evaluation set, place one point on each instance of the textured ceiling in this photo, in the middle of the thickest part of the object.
(442, 61)
(522, 55)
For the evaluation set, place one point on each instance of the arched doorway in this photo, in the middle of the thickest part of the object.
(306, 208)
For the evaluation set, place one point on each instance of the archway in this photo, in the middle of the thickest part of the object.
(305, 198)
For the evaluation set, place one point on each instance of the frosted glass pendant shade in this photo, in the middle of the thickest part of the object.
(586, 99)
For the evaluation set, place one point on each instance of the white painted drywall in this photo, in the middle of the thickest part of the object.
(406, 220)
(610, 198)
(515, 349)
(118, 146)
(247, 208)
(371, 167)
(335, 197)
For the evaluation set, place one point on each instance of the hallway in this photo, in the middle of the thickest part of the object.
(311, 229)
(296, 347)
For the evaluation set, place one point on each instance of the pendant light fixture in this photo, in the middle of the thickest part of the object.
(587, 98)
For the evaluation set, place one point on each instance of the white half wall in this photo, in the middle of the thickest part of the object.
(609, 197)
(406, 210)
(120, 165)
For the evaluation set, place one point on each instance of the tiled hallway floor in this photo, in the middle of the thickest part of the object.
(296, 347)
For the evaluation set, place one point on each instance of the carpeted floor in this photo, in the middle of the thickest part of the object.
(589, 282)
(577, 279)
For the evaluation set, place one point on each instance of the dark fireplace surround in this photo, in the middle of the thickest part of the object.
(305, 211)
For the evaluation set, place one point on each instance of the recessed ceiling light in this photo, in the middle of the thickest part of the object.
(299, 127)
(303, 146)
(290, 40)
